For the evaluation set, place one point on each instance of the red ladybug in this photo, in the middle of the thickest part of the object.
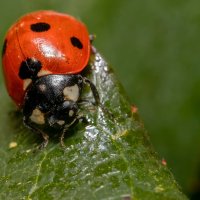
(43, 55)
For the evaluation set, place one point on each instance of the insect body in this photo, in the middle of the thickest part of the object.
(43, 55)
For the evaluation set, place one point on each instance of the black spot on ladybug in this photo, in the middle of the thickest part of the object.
(40, 27)
(76, 42)
(4, 47)
(29, 68)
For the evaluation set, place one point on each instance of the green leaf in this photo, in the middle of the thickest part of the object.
(110, 158)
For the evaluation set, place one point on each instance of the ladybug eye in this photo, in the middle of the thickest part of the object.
(4, 47)
(40, 27)
(76, 42)
(29, 68)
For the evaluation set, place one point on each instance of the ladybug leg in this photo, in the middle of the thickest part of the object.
(76, 120)
(85, 101)
(96, 97)
(92, 37)
(93, 89)
(65, 130)
(62, 138)
(34, 129)
(45, 142)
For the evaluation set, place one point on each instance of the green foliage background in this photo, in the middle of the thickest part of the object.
(154, 48)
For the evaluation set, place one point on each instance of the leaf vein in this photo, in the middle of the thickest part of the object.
(34, 187)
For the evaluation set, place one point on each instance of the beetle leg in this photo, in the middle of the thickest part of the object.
(96, 96)
(93, 89)
(92, 37)
(76, 120)
(34, 129)
(62, 138)
(88, 102)
(65, 130)
(45, 142)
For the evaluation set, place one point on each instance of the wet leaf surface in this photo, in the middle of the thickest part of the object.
(109, 158)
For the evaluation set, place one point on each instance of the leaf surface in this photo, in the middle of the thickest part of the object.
(109, 158)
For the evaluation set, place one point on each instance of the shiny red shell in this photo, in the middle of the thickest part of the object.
(52, 47)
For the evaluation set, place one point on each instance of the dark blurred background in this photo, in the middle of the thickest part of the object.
(154, 48)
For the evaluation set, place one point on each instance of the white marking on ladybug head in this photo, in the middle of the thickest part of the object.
(43, 72)
(26, 83)
(37, 117)
(61, 122)
(71, 93)
(71, 113)
(42, 87)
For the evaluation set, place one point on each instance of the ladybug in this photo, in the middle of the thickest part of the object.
(43, 56)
